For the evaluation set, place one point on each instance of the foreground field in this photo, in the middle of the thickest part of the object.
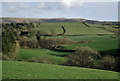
(26, 70)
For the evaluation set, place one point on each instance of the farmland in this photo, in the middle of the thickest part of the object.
(36, 62)
(26, 70)
(26, 54)
(73, 28)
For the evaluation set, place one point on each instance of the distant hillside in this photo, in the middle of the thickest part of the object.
(16, 20)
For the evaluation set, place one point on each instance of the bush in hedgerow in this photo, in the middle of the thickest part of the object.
(83, 57)
(108, 62)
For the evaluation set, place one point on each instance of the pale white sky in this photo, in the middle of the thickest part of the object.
(104, 11)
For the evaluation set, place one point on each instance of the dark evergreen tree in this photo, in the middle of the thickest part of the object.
(8, 43)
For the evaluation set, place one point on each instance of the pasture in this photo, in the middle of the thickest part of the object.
(20, 68)
(26, 54)
(26, 70)
(99, 43)
(72, 28)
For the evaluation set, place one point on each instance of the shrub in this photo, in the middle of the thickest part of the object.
(32, 59)
(14, 51)
(98, 65)
(42, 60)
(33, 43)
(28, 43)
(53, 43)
(23, 42)
(5, 57)
(108, 62)
(64, 41)
(46, 60)
(84, 57)
(68, 41)
(59, 41)
(31, 34)
(12, 54)
(47, 43)
(117, 67)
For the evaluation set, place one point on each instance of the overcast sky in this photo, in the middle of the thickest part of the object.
(103, 11)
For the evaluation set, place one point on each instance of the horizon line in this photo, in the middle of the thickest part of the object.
(63, 18)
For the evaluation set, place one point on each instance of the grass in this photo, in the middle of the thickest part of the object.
(99, 43)
(110, 46)
(72, 28)
(26, 70)
(84, 37)
(26, 54)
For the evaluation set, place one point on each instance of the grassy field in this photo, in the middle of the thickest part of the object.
(26, 54)
(85, 37)
(100, 43)
(26, 70)
(72, 28)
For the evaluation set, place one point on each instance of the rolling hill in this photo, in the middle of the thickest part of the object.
(26, 70)
(16, 20)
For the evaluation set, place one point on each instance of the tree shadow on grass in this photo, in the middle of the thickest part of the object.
(113, 52)
(63, 55)
(60, 51)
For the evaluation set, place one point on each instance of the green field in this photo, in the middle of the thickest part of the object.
(100, 43)
(26, 70)
(85, 37)
(26, 54)
(72, 28)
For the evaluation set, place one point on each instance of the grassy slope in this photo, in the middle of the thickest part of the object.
(110, 46)
(85, 37)
(25, 54)
(100, 43)
(26, 70)
(73, 28)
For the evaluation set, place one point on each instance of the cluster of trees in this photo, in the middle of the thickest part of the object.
(17, 28)
(44, 33)
(28, 43)
(87, 57)
(83, 57)
(44, 42)
(10, 31)
(9, 44)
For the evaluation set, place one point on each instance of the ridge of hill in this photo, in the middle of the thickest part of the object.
(17, 20)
